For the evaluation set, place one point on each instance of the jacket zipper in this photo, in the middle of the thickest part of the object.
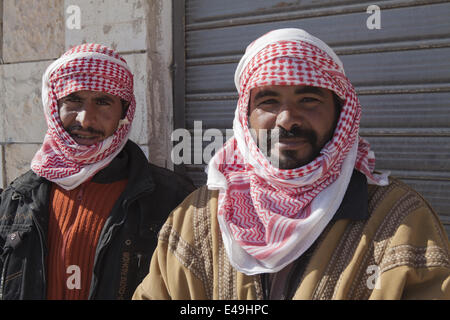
(44, 272)
(6, 254)
(99, 256)
(4, 267)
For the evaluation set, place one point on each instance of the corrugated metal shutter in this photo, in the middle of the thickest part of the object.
(401, 73)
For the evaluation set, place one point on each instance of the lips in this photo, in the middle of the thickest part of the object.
(292, 143)
(86, 138)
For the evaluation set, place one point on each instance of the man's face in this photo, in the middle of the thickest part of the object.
(90, 116)
(303, 117)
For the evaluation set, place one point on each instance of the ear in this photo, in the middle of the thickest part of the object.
(125, 105)
(338, 103)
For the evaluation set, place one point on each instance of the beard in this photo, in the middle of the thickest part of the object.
(291, 158)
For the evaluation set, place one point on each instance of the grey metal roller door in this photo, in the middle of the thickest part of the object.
(401, 73)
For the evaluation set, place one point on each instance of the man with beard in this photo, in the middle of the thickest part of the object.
(309, 218)
(83, 222)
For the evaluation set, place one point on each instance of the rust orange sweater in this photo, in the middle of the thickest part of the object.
(76, 219)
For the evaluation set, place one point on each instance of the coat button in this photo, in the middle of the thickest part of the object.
(13, 236)
(128, 242)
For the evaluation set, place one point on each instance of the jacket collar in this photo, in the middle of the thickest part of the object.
(25, 184)
(354, 206)
(127, 165)
(139, 175)
(117, 170)
(35, 190)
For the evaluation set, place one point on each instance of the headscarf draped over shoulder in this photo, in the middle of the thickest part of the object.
(90, 67)
(270, 216)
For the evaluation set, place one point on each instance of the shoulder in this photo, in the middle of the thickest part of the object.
(406, 242)
(193, 214)
(140, 168)
(187, 240)
(24, 192)
(181, 266)
(399, 201)
(24, 184)
(170, 179)
(405, 228)
(27, 179)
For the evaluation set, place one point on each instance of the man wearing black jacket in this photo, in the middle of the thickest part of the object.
(83, 222)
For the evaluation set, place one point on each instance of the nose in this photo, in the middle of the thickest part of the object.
(289, 116)
(87, 116)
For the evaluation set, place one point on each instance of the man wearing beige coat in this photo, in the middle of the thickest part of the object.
(309, 218)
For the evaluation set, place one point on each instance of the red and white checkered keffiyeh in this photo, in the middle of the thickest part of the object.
(270, 216)
(86, 67)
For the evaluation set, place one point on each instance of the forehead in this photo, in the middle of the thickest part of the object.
(89, 94)
(259, 92)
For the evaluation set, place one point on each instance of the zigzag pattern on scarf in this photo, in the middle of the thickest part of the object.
(262, 204)
(89, 67)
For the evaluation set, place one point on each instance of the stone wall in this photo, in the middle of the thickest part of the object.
(34, 33)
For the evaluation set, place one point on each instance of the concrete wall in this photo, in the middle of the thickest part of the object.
(34, 33)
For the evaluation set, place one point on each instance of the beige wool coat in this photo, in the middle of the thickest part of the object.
(402, 242)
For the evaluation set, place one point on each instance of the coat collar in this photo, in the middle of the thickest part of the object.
(354, 206)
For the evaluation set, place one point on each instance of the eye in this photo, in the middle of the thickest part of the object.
(103, 102)
(72, 99)
(309, 100)
(268, 102)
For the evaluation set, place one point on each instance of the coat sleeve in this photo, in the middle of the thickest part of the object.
(169, 279)
(416, 262)
(174, 266)
(409, 283)
(2, 221)
(155, 285)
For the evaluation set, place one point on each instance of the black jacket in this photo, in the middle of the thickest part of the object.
(127, 240)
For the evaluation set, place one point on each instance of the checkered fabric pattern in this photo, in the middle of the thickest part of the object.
(269, 216)
(90, 67)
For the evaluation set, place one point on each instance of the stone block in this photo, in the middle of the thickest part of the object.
(22, 118)
(1, 31)
(118, 24)
(32, 30)
(160, 90)
(18, 159)
(2, 169)
(2, 105)
(137, 64)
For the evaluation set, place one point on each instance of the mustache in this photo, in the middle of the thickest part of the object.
(295, 132)
(81, 130)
